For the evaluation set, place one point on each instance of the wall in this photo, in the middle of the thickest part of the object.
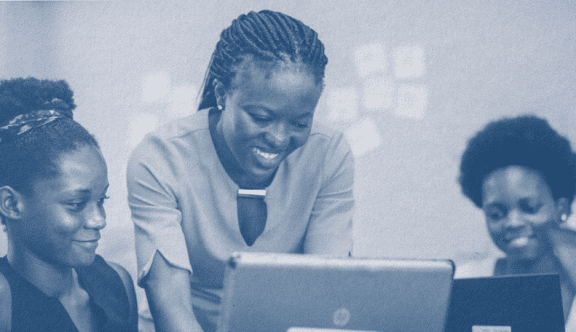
(408, 81)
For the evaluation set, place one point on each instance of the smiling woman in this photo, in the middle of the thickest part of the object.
(53, 183)
(268, 115)
(248, 172)
(66, 213)
(522, 174)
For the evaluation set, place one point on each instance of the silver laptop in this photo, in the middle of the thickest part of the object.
(307, 293)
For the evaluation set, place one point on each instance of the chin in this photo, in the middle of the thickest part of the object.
(522, 258)
(261, 174)
(82, 260)
(527, 255)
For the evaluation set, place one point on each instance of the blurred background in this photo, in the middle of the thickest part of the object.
(407, 81)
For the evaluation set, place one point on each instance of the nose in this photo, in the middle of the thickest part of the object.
(278, 135)
(514, 220)
(96, 217)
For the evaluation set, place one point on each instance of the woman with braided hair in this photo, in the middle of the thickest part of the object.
(247, 172)
(53, 182)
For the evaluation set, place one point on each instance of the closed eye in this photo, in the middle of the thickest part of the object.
(76, 205)
(103, 199)
(495, 213)
(260, 118)
(530, 208)
(301, 125)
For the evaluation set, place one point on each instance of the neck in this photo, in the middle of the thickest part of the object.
(546, 263)
(52, 280)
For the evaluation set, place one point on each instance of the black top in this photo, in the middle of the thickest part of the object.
(32, 310)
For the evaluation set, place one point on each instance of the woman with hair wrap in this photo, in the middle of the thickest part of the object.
(53, 182)
(522, 174)
(247, 172)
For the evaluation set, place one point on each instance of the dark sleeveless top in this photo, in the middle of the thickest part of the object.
(33, 310)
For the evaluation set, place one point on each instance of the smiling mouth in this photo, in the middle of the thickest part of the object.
(88, 245)
(520, 241)
(265, 155)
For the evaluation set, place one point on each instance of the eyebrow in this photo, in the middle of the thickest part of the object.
(494, 204)
(253, 107)
(85, 191)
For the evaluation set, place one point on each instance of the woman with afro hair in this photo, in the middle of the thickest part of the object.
(522, 174)
(53, 183)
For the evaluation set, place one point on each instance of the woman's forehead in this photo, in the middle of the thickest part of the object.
(83, 168)
(251, 68)
(514, 180)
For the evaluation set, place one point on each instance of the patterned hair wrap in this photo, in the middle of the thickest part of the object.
(24, 122)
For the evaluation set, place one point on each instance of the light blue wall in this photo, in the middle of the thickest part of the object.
(409, 81)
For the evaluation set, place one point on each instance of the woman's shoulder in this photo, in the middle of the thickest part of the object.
(325, 156)
(122, 272)
(176, 129)
(179, 138)
(5, 304)
(196, 121)
(4, 284)
(105, 273)
(124, 275)
(327, 139)
(322, 130)
(112, 289)
(130, 291)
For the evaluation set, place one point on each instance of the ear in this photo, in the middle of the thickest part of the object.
(220, 93)
(11, 203)
(564, 208)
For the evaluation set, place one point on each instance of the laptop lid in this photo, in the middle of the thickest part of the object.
(503, 304)
(304, 293)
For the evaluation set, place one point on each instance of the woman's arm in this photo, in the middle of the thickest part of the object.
(563, 240)
(5, 305)
(169, 297)
(164, 268)
(130, 292)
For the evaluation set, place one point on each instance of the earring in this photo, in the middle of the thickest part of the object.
(564, 217)
(220, 107)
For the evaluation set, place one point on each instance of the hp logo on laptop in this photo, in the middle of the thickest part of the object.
(341, 317)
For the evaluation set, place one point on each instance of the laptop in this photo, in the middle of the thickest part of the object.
(506, 304)
(308, 293)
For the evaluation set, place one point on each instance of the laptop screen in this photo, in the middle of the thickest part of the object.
(503, 304)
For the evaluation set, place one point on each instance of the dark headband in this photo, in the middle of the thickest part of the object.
(24, 122)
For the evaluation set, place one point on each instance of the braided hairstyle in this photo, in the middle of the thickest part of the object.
(524, 141)
(35, 153)
(266, 36)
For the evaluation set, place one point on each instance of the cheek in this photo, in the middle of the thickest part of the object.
(494, 229)
(52, 237)
(65, 225)
(237, 129)
(545, 219)
(246, 128)
(300, 138)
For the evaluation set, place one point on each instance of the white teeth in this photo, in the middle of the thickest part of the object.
(265, 154)
(519, 242)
